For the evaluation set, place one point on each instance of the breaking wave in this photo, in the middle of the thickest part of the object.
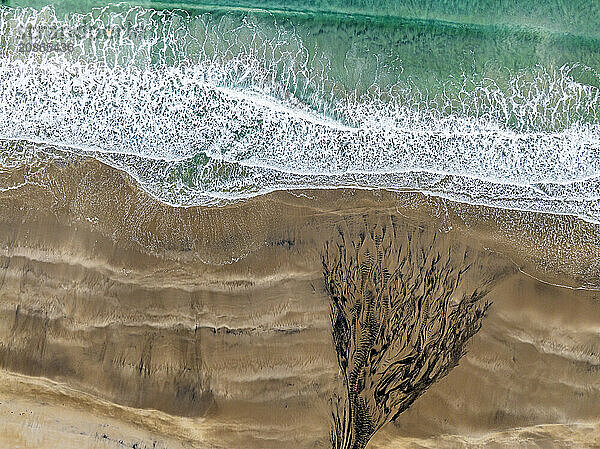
(212, 108)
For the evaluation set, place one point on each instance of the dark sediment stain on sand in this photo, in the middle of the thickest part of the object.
(400, 321)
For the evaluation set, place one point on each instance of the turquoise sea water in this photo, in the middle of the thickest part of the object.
(486, 102)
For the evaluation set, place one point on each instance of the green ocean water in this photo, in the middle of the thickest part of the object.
(425, 41)
(489, 102)
(578, 17)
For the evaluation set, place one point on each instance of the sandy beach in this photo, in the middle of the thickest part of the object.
(125, 322)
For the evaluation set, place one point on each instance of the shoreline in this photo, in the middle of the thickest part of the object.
(555, 257)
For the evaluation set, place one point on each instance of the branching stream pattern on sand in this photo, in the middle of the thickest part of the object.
(400, 321)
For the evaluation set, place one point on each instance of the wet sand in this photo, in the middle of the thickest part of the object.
(125, 322)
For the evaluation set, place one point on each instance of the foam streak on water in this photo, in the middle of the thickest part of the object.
(205, 109)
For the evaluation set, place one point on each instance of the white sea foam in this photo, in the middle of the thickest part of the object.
(203, 109)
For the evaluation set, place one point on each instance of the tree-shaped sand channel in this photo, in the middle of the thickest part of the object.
(401, 317)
